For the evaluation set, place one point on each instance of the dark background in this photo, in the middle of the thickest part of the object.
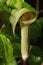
(33, 3)
(38, 41)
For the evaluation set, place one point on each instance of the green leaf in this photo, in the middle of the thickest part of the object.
(36, 56)
(8, 32)
(35, 30)
(6, 51)
(2, 1)
(36, 51)
(4, 17)
(15, 3)
(34, 60)
(16, 47)
(5, 8)
(40, 21)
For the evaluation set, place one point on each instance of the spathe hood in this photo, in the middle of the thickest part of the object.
(16, 15)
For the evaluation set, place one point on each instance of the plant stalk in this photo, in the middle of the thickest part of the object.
(24, 41)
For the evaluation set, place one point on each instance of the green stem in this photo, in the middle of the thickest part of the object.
(24, 41)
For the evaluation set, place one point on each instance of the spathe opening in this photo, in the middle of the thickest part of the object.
(28, 17)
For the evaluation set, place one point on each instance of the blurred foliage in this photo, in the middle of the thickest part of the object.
(35, 28)
(36, 54)
(10, 44)
(6, 51)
